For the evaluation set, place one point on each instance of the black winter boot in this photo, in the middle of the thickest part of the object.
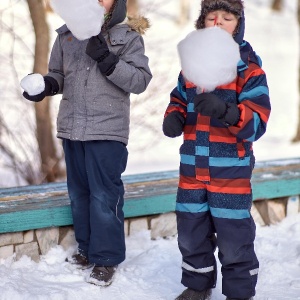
(79, 260)
(190, 294)
(102, 276)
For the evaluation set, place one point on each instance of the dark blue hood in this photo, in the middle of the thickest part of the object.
(239, 36)
(118, 14)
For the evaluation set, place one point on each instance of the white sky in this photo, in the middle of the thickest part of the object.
(152, 268)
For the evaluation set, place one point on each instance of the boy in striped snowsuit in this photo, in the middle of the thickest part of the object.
(214, 195)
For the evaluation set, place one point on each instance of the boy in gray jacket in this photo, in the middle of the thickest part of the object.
(95, 78)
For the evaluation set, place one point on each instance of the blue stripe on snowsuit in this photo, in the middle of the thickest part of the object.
(192, 207)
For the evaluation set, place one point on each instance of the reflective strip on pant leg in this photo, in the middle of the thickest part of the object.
(201, 270)
(253, 272)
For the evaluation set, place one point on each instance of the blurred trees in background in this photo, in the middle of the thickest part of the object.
(297, 136)
(33, 152)
(132, 7)
(277, 5)
(47, 148)
(183, 16)
(28, 149)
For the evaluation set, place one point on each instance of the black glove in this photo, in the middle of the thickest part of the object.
(211, 105)
(51, 89)
(98, 50)
(173, 124)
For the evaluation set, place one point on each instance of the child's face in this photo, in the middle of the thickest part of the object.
(107, 4)
(222, 19)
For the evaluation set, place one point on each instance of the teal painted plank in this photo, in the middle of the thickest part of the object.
(149, 206)
(61, 216)
(35, 219)
(47, 205)
(276, 188)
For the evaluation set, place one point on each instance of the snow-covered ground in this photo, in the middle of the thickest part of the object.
(152, 268)
(152, 271)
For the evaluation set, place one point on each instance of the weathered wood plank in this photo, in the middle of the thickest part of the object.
(276, 188)
(35, 219)
(46, 205)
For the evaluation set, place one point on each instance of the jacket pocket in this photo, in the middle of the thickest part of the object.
(64, 114)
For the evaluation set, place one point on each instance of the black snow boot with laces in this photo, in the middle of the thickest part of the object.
(102, 276)
(190, 294)
(80, 261)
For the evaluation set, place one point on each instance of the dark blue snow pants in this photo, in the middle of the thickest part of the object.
(96, 191)
(205, 211)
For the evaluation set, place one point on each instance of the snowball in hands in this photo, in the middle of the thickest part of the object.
(84, 18)
(33, 84)
(209, 57)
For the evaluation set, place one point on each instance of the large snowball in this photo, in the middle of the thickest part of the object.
(84, 18)
(209, 57)
(33, 84)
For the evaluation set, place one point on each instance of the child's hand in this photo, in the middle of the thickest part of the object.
(211, 105)
(36, 87)
(173, 124)
(98, 50)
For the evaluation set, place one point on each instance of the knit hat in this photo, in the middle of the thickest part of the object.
(235, 7)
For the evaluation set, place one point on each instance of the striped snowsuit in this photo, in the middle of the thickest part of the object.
(214, 192)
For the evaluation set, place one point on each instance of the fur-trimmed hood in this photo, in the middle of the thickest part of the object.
(139, 24)
(118, 15)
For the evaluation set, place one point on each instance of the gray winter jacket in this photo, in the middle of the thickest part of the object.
(95, 106)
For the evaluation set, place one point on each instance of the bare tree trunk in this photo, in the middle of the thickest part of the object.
(133, 8)
(48, 7)
(277, 5)
(45, 139)
(184, 13)
(297, 136)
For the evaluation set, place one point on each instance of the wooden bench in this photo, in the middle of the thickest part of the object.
(48, 205)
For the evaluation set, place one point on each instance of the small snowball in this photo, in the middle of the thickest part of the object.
(33, 84)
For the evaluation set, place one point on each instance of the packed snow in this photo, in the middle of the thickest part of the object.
(152, 267)
(209, 58)
(33, 84)
(152, 270)
(83, 18)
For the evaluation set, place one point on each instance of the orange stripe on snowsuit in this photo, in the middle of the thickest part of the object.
(189, 132)
(253, 71)
(229, 186)
(190, 183)
(175, 100)
(172, 108)
(264, 113)
(203, 123)
(189, 84)
(222, 135)
(202, 174)
(241, 149)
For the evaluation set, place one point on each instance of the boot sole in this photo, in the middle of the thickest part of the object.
(98, 282)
